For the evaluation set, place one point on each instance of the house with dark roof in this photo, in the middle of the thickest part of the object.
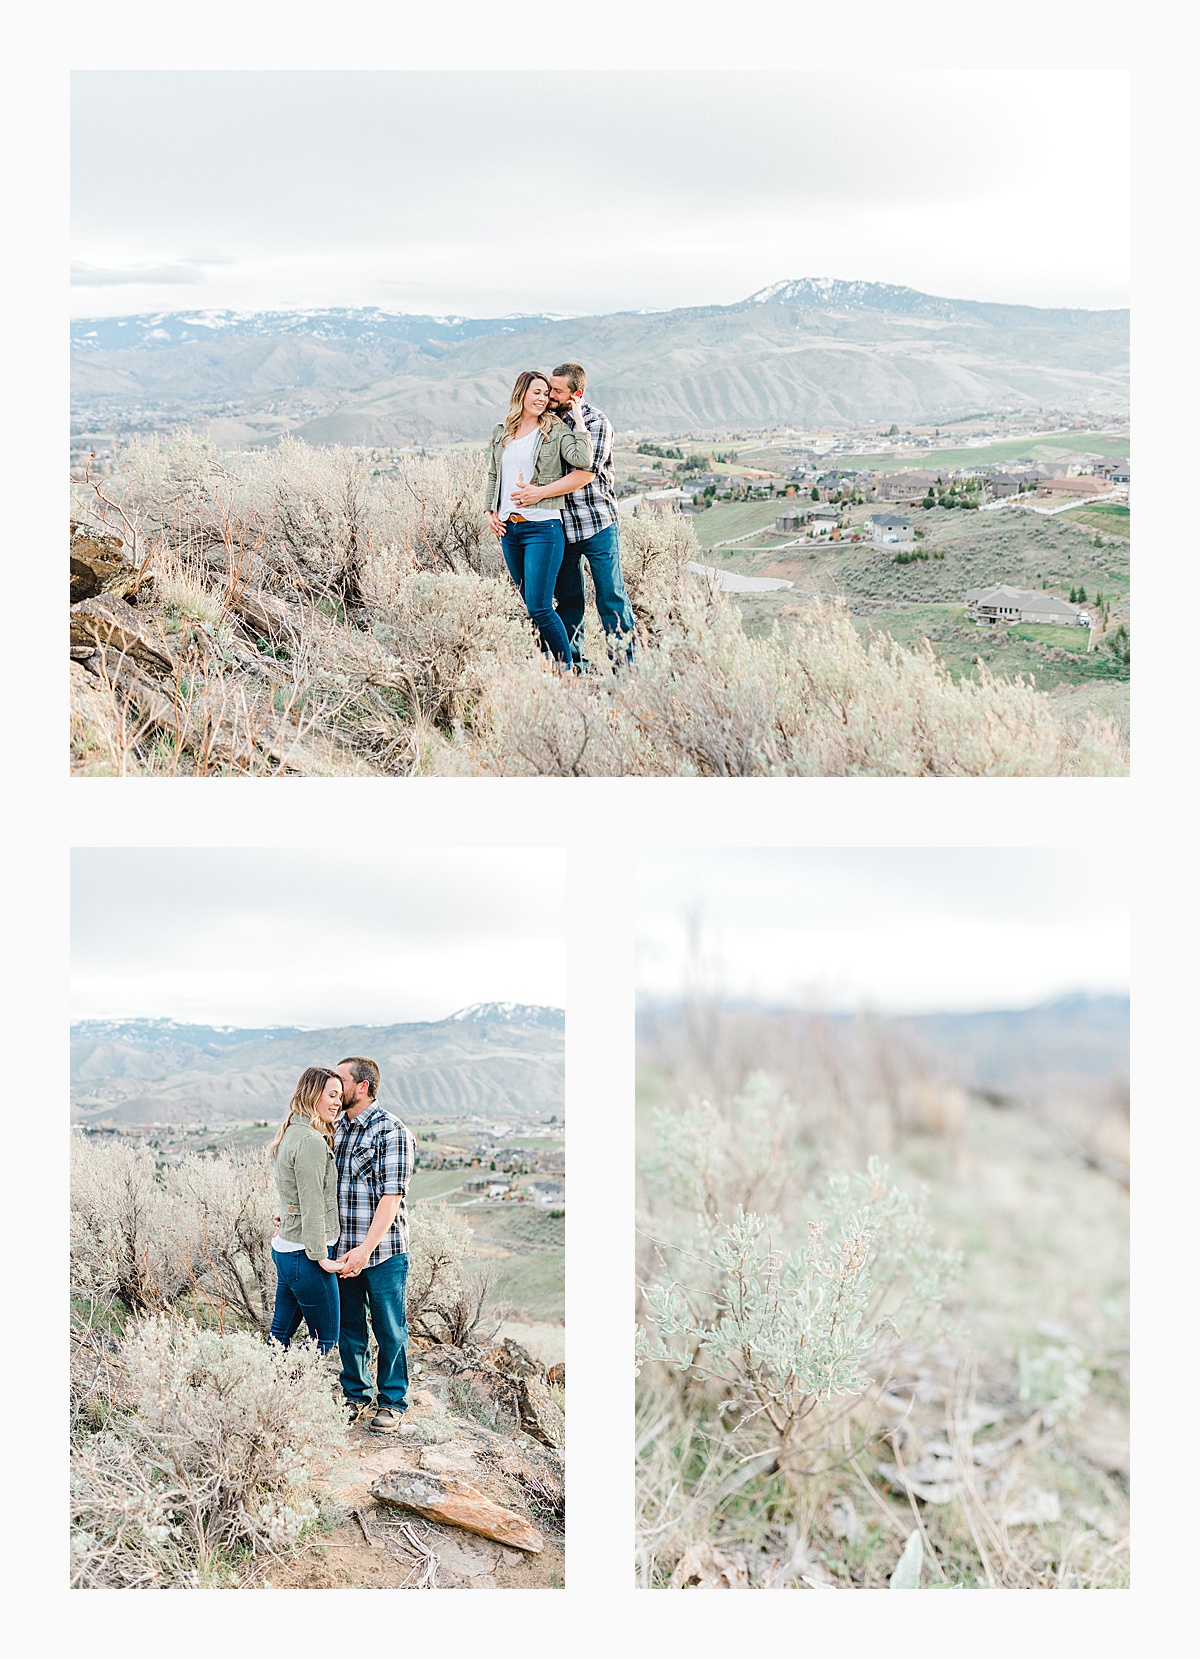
(825, 519)
(890, 529)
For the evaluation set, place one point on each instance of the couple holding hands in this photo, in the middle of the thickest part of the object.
(342, 1168)
(551, 498)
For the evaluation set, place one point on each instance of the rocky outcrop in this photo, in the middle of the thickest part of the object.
(130, 681)
(453, 1502)
(99, 564)
(510, 1358)
(106, 622)
(540, 1415)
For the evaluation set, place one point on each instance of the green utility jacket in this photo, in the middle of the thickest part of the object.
(306, 1176)
(553, 456)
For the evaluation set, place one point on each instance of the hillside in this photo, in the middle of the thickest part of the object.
(496, 1059)
(1079, 1035)
(1083, 1035)
(809, 352)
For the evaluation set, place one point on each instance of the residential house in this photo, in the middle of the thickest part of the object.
(1117, 471)
(1005, 604)
(549, 1195)
(663, 501)
(1064, 488)
(910, 487)
(1000, 485)
(890, 529)
(824, 520)
(792, 521)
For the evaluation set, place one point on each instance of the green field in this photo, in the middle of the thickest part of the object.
(435, 1183)
(1045, 633)
(1111, 516)
(532, 1285)
(735, 518)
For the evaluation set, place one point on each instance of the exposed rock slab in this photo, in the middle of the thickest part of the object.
(540, 1415)
(99, 564)
(454, 1503)
(466, 1556)
(456, 1459)
(107, 622)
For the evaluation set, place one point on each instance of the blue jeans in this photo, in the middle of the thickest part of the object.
(603, 554)
(378, 1290)
(305, 1291)
(533, 552)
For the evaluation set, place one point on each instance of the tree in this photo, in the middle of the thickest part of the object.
(816, 494)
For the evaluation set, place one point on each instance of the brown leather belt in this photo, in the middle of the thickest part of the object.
(517, 518)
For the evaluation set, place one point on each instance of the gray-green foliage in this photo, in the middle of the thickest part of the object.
(782, 1332)
(205, 1458)
(713, 1158)
(1057, 1379)
(907, 1575)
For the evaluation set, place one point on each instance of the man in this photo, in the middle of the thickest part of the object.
(375, 1155)
(590, 524)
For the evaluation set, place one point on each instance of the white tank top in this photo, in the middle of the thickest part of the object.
(516, 466)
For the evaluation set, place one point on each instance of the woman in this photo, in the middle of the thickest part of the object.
(535, 459)
(306, 1177)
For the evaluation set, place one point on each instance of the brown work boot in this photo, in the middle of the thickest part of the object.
(384, 1419)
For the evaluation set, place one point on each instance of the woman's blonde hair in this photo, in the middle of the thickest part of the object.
(516, 405)
(303, 1104)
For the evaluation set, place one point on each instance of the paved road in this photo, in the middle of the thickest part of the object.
(730, 582)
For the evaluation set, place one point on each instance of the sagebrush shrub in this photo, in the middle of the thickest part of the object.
(198, 1231)
(208, 1452)
(397, 643)
(447, 1288)
(783, 1332)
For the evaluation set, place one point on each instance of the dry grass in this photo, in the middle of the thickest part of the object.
(323, 621)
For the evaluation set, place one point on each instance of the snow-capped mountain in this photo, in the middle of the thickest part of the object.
(800, 352)
(497, 1059)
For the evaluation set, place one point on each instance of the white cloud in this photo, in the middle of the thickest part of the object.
(902, 930)
(131, 276)
(313, 938)
(660, 189)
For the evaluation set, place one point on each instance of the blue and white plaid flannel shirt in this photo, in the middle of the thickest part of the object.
(591, 509)
(375, 1155)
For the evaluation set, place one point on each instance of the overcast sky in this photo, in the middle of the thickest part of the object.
(488, 193)
(898, 930)
(247, 937)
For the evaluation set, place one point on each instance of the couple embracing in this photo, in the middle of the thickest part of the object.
(342, 1168)
(551, 499)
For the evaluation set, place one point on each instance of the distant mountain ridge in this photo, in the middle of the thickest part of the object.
(494, 1059)
(801, 352)
(1079, 1034)
(368, 324)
